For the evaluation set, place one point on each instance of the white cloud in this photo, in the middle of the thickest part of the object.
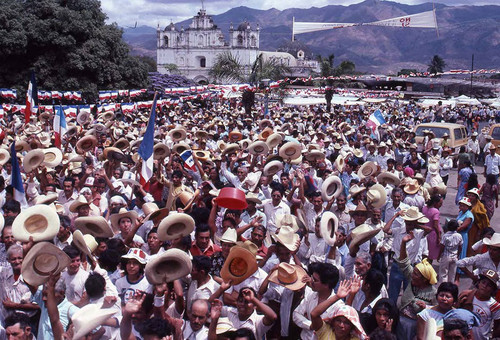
(162, 12)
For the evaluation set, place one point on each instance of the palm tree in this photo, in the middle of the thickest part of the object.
(437, 65)
(227, 68)
(326, 65)
(268, 69)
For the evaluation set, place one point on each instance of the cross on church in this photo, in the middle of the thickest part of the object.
(202, 4)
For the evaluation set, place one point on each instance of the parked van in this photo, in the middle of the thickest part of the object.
(495, 135)
(457, 134)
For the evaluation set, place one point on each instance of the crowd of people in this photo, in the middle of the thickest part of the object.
(287, 223)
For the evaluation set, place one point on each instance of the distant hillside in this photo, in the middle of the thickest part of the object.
(463, 31)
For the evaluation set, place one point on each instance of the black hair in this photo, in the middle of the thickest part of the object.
(375, 279)
(69, 179)
(177, 173)
(118, 245)
(231, 220)
(433, 200)
(155, 326)
(452, 225)
(488, 231)
(18, 318)
(202, 228)
(382, 334)
(9, 220)
(490, 179)
(391, 160)
(72, 251)
(13, 206)
(64, 221)
(202, 262)
(153, 231)
(95, 286)
(472, 182)
(449, 288)
(240, 294)
(110, 259)
(453, 324)
(243, 333)
(389, 306)
(328, 273)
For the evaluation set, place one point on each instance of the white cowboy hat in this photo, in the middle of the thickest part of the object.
(33, 159)
(174, 226)
(494, 241)
(252, 180)
(80, 201)
(287, 237)
(258, 148)
(376, 196)
(328, 225)
(153, 213)
(180, 147)
(83, 117)
(88, 318)
(202, 155)
(86, 243)
(122, 144)
(289, 276)
(361, 234)
(251, 197)
(40, 221)
(160, 150)
(287, 220)
(229, 236)
(433, 168)
(46, 199)
(412, 214)
(367, 169)
(4, 156)
(331, 188)
(388, 178)
(272, 168)
(356, 189)
(86, 143)
(177, 134)
(239, 265)
(290, 150)
(230, 148)
(96, 226)
(42, 260)
(340, 162)
(274, 139)
(315, 155)
(411, 187)
(115, 218)
(169, 266)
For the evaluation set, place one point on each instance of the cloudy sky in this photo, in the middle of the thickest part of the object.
(154, 12)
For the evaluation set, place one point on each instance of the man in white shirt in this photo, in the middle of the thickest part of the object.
(202, 285)
(492, 163)
(473, 148)
(75, 277)
(195, 329)
(276, 206)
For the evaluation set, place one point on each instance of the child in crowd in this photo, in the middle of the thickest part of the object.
(451, 246)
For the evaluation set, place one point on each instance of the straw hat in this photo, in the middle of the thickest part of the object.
(265, 133)
(388, 178)
(202, 155)
(201, 134)
(235, 136)
(229, 236)
(265, 123)
(251, 197)
(412, 214)
(357, 153)
(244, 143)
(33, 160)
(411, 187)
(22, 146)
(239, 265)
(79, 202)
(153, 213)
(4, 156)
(361, 234)
(86, 243)
(290, 150)
(360, 209)
(252, 180)
(272, 167)
(331, 188)
(88, 318)
(83, 117)
(122, 144)
(289, 276)
(494, 241)
(169, 266)
(274, 139)
(376, 196)
(288, 220)
(96, 226)
(367, 169)
(72, 130)
(180, 147)
(258, 148)
(160, 151)
(328, 226)
(287, 237)
(42, 260)
(225, 326)
(86, 143)
(177, 134)
(46, 199)
(355, 190)
(230, 148)
(115, 218)
(111, 153)
(221, 145)
(340, 162)
(40, 221)
(174, 226)
(315, 155)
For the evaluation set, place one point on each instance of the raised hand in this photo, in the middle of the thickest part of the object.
(344, 288)
(134, 305)
(216, 309)
(248, 295)
(225, 285)
(356, 284)
(408, 237)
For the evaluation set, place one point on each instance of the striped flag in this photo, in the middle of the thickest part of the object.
(146, 148)
(60, 126)
(16, 179)
(376, 119)
(187, 157)
(31, 99)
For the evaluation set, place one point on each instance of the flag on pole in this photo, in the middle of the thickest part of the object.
(146, 148)
(60, 126)
(376, 119)
(31, 99)
(187, 157)
(16, 179)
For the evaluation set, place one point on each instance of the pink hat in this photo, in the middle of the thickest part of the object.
(352, 315)
(409, 172)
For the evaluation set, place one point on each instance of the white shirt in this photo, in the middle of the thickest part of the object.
(415, 248)
(311, 214)
(255, 322)
(202, 292)
(189, 334)
(75, 284)
(271, 212)
(445, 164)
(491, 164)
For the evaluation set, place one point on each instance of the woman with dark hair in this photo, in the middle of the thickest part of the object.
(481, 220)
(447, 295)
(385, 316)
(463, 179)
(134, 281)
(489, 192)
(431, 211)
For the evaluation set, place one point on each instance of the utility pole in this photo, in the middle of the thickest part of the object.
(471, 74)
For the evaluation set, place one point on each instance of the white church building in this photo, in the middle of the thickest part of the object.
(194, 50)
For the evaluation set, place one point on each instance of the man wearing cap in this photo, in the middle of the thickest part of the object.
(487, 261)
(473, 148)
(492, 163)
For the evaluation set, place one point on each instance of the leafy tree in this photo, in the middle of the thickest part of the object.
(69, 46)
(346, 67)
(326, 65)
(436, 65)
(268, 69)
(227, 68)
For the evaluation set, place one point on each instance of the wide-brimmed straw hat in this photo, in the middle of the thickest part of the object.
(112, 153)
(258, 148)
(230, 148)
(202, 155)
(33, 159)
(412, 214)
(169, 266)
(355, 190)
(40, 221)
(252, 180)
(331, 188)
(274, 139)
(411, 187)
(287, 237)
(235, 136)
(79, 202)
(388, 178)
(265, 133)
(494, 241)
(174, 226)
(272, 167)
(229, 236)
(86, 243)
(290, 150)
(86, 143)
(177, 134)
(340, 163)
(42, 260)
(180, 147)
(4, 156)
(239, 265)
(361, 234)
(153, 213)
(160, 151)
(289, 276)
(328, 226)
(90, 317)
(46, 199)
(367, 169)
(360, 209)
(96, 226)
(123, 213)
(376, 196)
(315, 155)
(122, 144)
(287, 220)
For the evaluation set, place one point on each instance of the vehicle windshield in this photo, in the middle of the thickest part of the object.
(438, 131)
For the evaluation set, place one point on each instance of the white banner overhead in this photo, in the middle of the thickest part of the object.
(418, 20)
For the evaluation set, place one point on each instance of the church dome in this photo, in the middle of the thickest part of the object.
(243, 26)
(170, 27)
